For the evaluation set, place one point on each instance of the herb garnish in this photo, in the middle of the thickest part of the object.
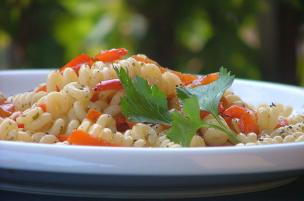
(185, 125)
(143, 103)
(209, 97)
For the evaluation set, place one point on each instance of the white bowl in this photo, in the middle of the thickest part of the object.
(183, 172)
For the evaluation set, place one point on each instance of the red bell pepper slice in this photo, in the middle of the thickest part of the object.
(113, 84)
(246, 116)
(79, 137)
(76, 63)
(6, 109)
(207, 79)
(111, 55)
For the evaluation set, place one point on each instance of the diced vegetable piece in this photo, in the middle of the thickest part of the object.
(41, 88)
(235, 111)
(144, 59)
(184, 77)
(246, 116)
(113, 84)
(207, 79)
(77, 62)
(111, 55)
(42, 106)
(221, 107)
(93, 115)
(20, 125)
(282, 122)
(121, 123)
(62, 137)
(79, 137)
(6, 109)
(204, 113)
(94, 97)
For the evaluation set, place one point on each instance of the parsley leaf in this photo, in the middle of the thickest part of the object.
(209, 97)
(142, 103)
(185, 125)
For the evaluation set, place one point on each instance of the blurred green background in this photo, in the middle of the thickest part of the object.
(256, 39)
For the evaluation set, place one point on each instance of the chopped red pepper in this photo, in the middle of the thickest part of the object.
(184, 77)
(79, 137)
(2, 100)
(41, 88)
(93, 115)
(6, 109)
(121, 123)
(282, 122)
(20, 125)
(95, 96)
(204, 113)
(113, 84)
(145, 60)
(43, 107)
(207, 79)
(111, 55)
(246, 116)
(62, 137)
(76, 63)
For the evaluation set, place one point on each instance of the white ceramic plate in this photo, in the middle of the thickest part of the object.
(150, 172)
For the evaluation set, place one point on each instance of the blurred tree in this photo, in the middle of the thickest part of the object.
(280, 26)
(206, 32)
(195, 36)
(29, 25)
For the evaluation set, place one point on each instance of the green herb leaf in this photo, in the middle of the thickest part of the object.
(143, 103)
(209, 97)
(183, 93)
(185, 125)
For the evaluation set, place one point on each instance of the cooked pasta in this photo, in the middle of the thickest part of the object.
(268, 115)
(88, 103)
(25, 100)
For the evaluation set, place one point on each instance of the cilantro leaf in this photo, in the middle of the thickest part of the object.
(142, 103)
(185, 125)
(183, 93)
(209, 95)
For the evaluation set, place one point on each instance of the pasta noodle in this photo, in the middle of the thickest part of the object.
(25, 100)
(268, 115)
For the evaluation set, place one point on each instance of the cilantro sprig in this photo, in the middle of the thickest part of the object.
(144, 103)
(185, 125)
(209, 97)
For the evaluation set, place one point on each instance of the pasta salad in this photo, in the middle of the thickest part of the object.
(110, 100)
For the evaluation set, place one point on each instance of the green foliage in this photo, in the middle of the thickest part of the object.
(192, 36)
(185, 125)
(209, 97)
(142, 103)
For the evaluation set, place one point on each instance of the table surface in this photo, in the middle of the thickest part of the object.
(291, 192)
